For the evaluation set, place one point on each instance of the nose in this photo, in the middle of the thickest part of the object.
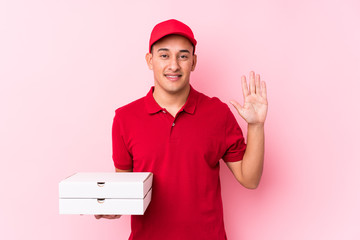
(174, 64)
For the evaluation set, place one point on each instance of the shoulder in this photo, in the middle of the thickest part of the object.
(213, 104)
(218, 113)
(131, 109)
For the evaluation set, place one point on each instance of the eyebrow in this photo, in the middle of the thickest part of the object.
(162, 49)
(166, 49)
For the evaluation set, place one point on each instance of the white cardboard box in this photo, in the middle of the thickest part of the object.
(120, 193)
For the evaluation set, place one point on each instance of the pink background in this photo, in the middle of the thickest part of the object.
(65, 66)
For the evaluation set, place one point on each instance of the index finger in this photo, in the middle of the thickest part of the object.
(244, 86)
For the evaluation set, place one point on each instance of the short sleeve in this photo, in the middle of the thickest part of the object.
(121, 156)
(234, 139)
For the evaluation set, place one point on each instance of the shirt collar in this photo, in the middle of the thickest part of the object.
(153, 107)
(151, 104)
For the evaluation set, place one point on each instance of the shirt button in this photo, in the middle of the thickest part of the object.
(173, 124)
(164, 111)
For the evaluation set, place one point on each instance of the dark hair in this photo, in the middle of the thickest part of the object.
(151, 51)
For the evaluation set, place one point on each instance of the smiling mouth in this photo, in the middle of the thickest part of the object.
(173, 77)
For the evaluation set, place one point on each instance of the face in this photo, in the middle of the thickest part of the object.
(172, 60)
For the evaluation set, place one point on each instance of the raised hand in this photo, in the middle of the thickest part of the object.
(255, 101)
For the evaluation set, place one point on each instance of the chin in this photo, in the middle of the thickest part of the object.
(177, 88)
(174, 87)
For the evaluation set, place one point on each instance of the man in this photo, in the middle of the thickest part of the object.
(180, 135)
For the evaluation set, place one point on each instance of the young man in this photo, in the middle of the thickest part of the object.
(180, 135)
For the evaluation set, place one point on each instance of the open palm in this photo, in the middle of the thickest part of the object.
(255, 105)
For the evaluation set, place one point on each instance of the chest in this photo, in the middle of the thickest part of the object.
(189, 140)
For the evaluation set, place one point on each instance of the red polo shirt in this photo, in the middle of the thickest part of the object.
(183, 153)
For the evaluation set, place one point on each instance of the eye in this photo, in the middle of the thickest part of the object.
(163, 56)
(183, 56)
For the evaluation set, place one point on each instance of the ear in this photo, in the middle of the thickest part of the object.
(194, 62)
(148, 58)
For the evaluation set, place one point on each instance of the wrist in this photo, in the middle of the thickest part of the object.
(256, 125)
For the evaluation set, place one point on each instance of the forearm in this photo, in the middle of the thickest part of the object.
(248, 171)
(253, 160)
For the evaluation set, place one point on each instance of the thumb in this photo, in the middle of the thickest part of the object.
(237, 106)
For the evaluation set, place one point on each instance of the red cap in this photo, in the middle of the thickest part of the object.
(168, 27)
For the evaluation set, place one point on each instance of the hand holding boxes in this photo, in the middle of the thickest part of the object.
(118, 193)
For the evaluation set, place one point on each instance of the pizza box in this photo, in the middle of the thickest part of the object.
(115, 193)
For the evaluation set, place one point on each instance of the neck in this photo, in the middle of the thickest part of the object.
(172, 102)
